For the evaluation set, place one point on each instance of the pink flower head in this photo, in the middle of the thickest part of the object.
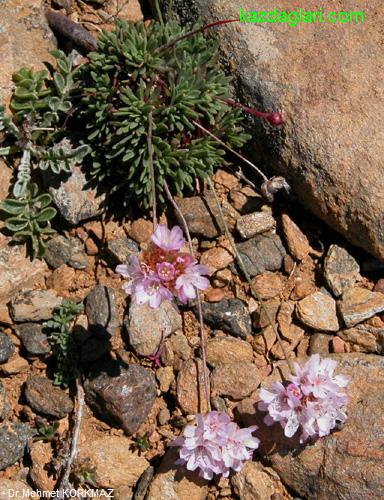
(191, 279)
(150, 290)
(215, 445)
(166, 271)
(314, 401)
(168, 239)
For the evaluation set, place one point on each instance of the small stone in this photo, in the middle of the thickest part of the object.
(264, 341)
(295, 334)
(257, 482)
(114, 463)
(304, 286)
(148, 327)
(62, 278)
(297, 242)
(261, 318)
(13, 488)
(338, 345)
(141, 230)
(79, 259)
(44, 398)
(13, 440)
(262, 253)
(245, 200)
(121, 394)
(226, 179)
(256, 223)
(15, 365)
(215, 295)
(176, 350)
(164, 416)
(4, 404)
(359, 304)
(121, 248)
(229, 315)
(216, 258)
(59, 250)
(228, 350)
(7, 347)
(34, 305)
(166, 377)
(360, 338)
(173, 482)
(268, 285)
(102, 311)
(302, 348)
(34, 340)
(319, 343)
(318, 311)
(222, 278)
(73, 197)
(288, 264)
(41, 457)
(340, 270)
(91, 247)
(129, 10)
(236, 380)
(202, 215)
(143, 483)
(190, 388)
(379, 286)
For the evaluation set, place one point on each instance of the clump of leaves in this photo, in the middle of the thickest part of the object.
(135, 82)
(35, 139)
(47, 432)
(84, 473)
(142, 443)
(64, 342)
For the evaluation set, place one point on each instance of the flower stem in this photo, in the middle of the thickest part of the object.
(152, 170)
(199, 308)
(263, 176)
(274, 118)
(173, 42)
(248, 278)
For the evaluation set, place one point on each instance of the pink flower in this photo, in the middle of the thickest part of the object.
(191, 279)
(166, 271)
(150, 290)
(215, 445)
(168, 239)
(314, 401)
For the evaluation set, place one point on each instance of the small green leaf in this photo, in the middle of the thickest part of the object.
(46, 215)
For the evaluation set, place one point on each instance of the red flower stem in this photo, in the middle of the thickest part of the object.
(193, 32)
(265, 179)
(248, 278)
(199, 309)
(274, 118)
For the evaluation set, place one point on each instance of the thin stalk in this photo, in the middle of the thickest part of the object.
(179, 38)
(248, 278)
(274, 118)
(152, 170)
(263, 176)
(199, 308)
(75, 440)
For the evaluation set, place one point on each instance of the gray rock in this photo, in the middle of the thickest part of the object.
(102, 311)
(33, 338)
(121, 394)
(4, 403)
(262, 253)
(250, 225)
(33, 305)
(318, 311)
(202, 215)
(147, 326)
(62, 250)
(7, 347)
(74, 197)
(319, 343)
(340, 270)
(120, 249)
(359, 304)
(44, 398)
(231, 316)
(13, 440)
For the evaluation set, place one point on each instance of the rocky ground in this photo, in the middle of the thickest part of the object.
(326, 296)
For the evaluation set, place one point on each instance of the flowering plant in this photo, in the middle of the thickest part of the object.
(163, 271)
(314, 400)
(215, 445)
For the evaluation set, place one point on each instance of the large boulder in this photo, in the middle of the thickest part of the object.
(349, 462)
(327, 79)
